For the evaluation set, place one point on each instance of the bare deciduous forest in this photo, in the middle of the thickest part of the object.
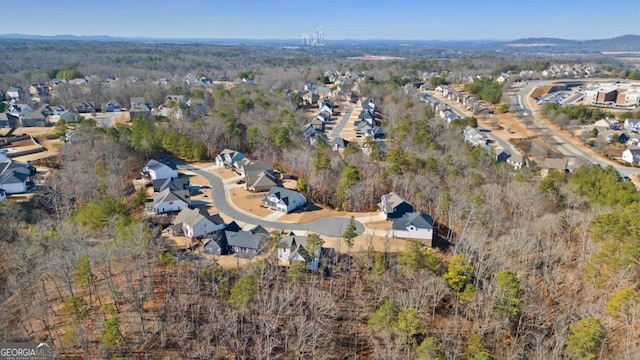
(537, 267)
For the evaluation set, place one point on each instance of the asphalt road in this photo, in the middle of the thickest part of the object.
(330, 226)
(558, 140)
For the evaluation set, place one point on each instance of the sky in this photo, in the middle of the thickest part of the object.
(339, 19)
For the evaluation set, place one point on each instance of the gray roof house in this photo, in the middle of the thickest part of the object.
(179, 183)
(112, 106)
(283, 200)
(34, 118)
(228, 158)
(14, 175)
(473, 137)
(197, 222)
(158, 170)
(631, 156)
(167, 201)
(294, 248)
(139, 107)
(632, 125)
(393, 205)
(250, 242)
(414, 225)
(259, 181)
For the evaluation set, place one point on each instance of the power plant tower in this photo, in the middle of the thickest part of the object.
(314, 38)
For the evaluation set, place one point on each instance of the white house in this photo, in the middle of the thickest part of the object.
(632, 156)
(415, 225)
(283, 200)
(158, 170)
(294, 248)
(14, 175)
(228, 158)
(167, 201)
(632, 125)
(197, 222)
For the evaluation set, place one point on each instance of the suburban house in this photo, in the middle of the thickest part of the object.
(517, 161)
(367, 147)
(559, 164)
(228, 158)
(17, 93)
(68, 116)
(139, 107)
(473, 137)
(502, 156)
(294, 248)
(254, 168)
(112, 106)
(632, 125)
(313, 135)
(85, 107)
(14, 175)
(607, 124)
(338, 143)
(260, 181)
(33, 118)
(632, 156)
(175, 184)
(18, 110)
(158, 170)
(317, 123)
(197, 222)
(414, 225)
(167, 201)
(283, 200)
(394, 206)
(216, 243)
(250, 242)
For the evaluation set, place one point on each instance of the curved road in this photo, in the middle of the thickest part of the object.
(562, 143)
(330, 226)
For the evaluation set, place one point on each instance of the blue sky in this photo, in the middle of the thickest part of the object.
(344, 19)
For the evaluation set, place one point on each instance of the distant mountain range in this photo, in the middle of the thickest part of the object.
(620, 43)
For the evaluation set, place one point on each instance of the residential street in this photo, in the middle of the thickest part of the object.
(331, 226)
(565, 145)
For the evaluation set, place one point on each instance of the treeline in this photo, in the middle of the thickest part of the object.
(485, 89)
(582, 113)
(538, 65)
(146, 138)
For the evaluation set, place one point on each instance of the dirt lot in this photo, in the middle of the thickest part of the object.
(52, 146)
(348, 133)
(365, 241)
(248, 201)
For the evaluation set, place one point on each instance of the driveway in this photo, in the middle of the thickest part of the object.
(331, 226)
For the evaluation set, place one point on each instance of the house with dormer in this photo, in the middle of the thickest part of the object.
(155, 169)
(197, 223)
(393, 205)
(414, 225)
(294, 248)
(283, 200)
